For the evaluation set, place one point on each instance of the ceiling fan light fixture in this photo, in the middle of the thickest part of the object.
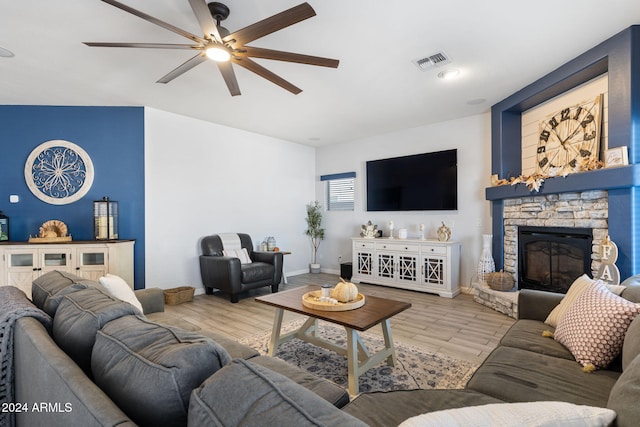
(218, 53)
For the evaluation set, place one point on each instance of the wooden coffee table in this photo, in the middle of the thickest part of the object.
(375, 311)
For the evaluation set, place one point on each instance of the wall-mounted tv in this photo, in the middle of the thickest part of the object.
(420, 182)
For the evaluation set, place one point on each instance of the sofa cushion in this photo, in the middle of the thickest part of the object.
(149, 370)
(527, 335)
(80, 315)
(273, 400)
(625, 396)
(382, 409)
(593, 328)
(531, 414)
(257, 271)
(516, 375)
(631, 345)
(329, 391)
(48, 290)
(120, 289)
(49, 284)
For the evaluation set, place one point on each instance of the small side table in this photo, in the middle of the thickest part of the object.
(284, 276)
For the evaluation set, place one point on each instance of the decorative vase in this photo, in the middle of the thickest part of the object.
(486, 263)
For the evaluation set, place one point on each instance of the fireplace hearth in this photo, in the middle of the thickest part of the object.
(551, 258)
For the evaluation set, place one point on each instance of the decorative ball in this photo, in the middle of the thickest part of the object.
(345, 291)
(500, 281)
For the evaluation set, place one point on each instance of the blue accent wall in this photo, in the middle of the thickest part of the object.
(618, 56)
(114, 139)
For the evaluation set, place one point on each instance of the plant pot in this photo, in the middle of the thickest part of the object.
(314, 268)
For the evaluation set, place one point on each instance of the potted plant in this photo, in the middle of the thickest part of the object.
(315, 232)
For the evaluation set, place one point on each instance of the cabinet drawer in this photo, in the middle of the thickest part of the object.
(440, 250)
(363, 245)
(398, 247)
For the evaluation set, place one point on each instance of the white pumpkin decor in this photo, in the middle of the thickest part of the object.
(345, 291)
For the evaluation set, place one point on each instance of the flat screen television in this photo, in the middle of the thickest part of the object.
(420, 182)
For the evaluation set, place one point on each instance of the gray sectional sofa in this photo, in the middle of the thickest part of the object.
(103, 363)
(526, 367)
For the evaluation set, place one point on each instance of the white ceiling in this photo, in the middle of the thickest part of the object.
(499, 46)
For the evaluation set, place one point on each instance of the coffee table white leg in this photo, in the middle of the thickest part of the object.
(275, 332)
(388, 342)
(352, 361)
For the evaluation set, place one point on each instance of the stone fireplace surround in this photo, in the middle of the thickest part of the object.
(588, 209)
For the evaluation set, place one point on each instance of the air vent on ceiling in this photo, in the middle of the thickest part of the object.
(431, 61)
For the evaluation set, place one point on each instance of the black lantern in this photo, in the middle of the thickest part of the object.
(4, 227)
(105, 219)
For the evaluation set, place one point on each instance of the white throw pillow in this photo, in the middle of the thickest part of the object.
(530, 414)
(117, 287)
(241, 254)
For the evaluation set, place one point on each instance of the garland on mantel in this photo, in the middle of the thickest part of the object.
(534, 182)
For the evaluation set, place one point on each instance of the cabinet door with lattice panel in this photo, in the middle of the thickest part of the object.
(364, 263)
(433, 271)
(407, 266)
(386, 266)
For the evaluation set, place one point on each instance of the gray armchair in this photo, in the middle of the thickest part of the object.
(229, 275)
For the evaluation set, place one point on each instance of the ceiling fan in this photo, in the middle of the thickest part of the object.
(226, 48)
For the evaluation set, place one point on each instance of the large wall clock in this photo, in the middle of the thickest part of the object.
(58, 172)
(569, 138)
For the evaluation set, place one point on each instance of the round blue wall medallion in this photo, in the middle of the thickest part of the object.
(58, 172)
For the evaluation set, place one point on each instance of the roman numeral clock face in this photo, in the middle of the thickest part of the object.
(570, 137)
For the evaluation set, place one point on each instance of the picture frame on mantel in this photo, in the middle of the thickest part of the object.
(617, 156)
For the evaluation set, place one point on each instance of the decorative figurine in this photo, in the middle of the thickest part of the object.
(444, 233)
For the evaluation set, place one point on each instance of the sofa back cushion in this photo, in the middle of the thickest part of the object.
(149, 370)
(48, 290)
(625, 395)
(79, 316)
(260, 397)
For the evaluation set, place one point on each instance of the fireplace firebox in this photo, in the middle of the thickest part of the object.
(551, 258)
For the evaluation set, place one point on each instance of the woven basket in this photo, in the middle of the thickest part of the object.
(500, 281)
(178, 295)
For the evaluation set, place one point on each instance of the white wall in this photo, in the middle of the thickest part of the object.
(202, 178)
(470, 135)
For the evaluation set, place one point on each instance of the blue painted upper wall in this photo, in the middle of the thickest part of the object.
(618, 56)
(114, 139)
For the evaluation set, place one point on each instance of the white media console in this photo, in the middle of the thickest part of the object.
(420, 265)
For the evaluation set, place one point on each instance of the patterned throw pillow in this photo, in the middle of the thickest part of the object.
(576, 289)
(593, 328)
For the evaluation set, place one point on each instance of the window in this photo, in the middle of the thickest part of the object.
(340, 191)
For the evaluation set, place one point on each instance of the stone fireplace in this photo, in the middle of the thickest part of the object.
(585, 212)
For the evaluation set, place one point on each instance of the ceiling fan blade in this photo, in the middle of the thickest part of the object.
(278, 55)
(145, 45)
(198, 59)
(208, 25)
(156, 21)
(272, 24)
(263, 72)
(229, 76)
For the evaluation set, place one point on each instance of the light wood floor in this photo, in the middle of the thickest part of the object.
(457, 327)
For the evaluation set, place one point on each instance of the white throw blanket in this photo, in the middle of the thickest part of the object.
(14, 304)
(230, 241)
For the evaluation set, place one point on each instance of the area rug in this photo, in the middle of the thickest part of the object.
(415, 368)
